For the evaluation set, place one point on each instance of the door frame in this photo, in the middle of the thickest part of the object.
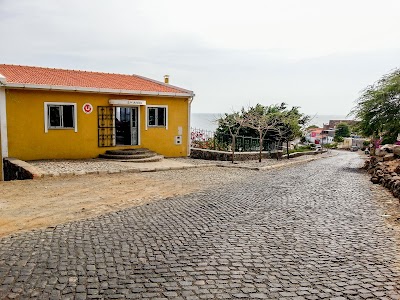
(137, 124)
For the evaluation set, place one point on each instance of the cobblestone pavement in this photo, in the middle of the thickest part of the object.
(307, 232)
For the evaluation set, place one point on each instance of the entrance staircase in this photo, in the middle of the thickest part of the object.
(132, 155)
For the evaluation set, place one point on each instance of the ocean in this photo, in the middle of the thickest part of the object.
(207, 121)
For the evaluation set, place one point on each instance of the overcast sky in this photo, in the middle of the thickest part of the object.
(314, 54)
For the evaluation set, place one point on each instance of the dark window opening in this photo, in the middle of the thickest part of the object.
(157, 116)
(61, 116)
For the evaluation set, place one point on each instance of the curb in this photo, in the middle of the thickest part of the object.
(135, 170)
(277, 166)
(38, 173)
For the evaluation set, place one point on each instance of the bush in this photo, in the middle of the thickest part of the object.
(211, 144)
(301, 149)
(331, 146)
(338, 139)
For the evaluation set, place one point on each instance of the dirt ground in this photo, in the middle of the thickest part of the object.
(46, 202)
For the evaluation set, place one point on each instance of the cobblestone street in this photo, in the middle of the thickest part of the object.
(310, 231)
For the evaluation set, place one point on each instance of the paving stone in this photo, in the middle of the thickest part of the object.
(311, 231)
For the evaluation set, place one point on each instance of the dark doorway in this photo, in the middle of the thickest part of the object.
(126, 125)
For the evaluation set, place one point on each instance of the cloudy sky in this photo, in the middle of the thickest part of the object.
(314, 54)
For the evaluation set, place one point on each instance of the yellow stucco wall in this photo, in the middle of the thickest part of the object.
(1, 162)
(27, 139)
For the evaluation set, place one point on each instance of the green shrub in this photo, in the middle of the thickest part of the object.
(331, 146)
(301, 149)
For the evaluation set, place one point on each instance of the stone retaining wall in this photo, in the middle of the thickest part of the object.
(226, 156)
(15, 169)
(240, 156)
(384, 174)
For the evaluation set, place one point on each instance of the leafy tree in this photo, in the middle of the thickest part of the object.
(342, 130)
(291, 124)
(338, 139)
(234, 123)
(274, 123)
(262, 119)
(312, 126)
(378, 108)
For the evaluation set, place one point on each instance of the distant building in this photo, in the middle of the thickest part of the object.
(333, 123)
(328, 135)
(320, 136)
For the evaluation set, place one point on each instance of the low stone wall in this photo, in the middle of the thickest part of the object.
(241, 156)
(297, 154)
(15, 169)
(383, 173)
(226, 156)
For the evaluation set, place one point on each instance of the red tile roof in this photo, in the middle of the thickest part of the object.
(74, 78)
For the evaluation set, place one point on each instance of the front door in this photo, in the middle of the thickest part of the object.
(126, 125)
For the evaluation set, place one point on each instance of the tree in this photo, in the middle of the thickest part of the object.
(338, 139)
(234, 123)
(342, 131)
(378, 108)
(291, 124)
(273, 123)
(312, 126)
(262, 119)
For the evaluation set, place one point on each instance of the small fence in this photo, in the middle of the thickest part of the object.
(206, 139)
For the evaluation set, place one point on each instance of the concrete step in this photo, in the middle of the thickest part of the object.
(130, 151)
(127, 156)
(144, 160)
(132, 155)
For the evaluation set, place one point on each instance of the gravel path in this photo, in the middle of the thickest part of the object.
(312, 231)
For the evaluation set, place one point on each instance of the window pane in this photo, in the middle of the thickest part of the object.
(54, 116)
(152, 116)
(161, 116)
(68, 116)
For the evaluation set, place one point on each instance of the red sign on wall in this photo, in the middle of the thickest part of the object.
(87, 108)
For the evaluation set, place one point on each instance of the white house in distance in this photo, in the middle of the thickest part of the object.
(320, 136)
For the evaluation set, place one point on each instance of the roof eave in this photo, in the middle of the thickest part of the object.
(91, 90)
(3, 80)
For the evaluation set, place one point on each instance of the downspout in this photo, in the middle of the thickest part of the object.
(3, 123)
(190, 100)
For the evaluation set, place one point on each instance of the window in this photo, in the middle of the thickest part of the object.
(60, 116)
(157, 116)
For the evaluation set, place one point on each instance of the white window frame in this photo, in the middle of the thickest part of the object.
(147, 116)
(46, 116)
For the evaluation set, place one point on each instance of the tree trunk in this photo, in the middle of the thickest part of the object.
(261, 140)
(287, 149)
(277, 150)
(233, 145)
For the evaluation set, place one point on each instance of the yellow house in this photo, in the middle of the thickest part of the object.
(67, 114)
